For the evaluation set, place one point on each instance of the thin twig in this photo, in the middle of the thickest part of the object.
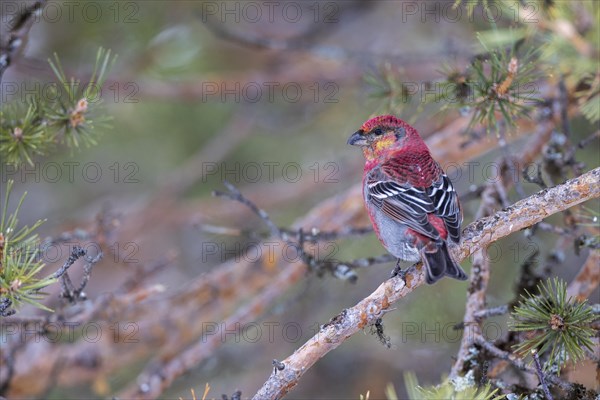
(339, 270)
(68, 289)
(491, 312)
(583, 143)
(5, 310)
(75, 255)
(540, 374)
(236, 195)
(312, 236)
(366, 262)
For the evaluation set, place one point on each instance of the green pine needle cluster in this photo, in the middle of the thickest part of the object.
(554, 323)
(68, 113)
(501, 84)
(497, 87)
(23, 135)
(71, 113)
(466, 389)
(20, 262)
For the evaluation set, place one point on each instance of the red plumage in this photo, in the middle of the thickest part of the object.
(411, 202)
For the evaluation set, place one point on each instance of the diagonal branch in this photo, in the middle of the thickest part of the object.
(477, 236)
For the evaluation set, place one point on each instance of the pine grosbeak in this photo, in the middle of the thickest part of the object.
(410, 200)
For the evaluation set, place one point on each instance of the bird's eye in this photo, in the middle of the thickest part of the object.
(400, 133)
(377, 131)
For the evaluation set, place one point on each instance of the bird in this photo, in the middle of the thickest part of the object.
(412, 205)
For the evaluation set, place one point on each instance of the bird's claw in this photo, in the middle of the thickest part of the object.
(397, 271)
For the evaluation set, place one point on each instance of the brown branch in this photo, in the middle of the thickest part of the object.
(587, 279)
(477, 236)
(480, 276)
(152, 384)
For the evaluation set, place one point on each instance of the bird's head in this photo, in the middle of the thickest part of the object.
(380, 134)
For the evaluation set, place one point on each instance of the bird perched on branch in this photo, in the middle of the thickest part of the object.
(410, 200)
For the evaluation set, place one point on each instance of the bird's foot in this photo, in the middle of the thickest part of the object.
(397, 271)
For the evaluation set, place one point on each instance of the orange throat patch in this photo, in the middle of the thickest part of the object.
(379, 146)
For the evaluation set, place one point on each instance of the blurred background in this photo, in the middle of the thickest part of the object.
(264, 95)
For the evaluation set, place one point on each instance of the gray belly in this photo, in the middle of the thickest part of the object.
(392, 235)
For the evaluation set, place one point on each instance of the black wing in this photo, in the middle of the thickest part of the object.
(410, 205)
(405, 204)
(446, 206)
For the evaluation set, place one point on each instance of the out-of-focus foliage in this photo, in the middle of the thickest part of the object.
(67, 113)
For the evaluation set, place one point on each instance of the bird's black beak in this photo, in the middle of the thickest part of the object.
(358, 139)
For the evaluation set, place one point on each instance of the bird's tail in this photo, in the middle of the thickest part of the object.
(439, 263)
